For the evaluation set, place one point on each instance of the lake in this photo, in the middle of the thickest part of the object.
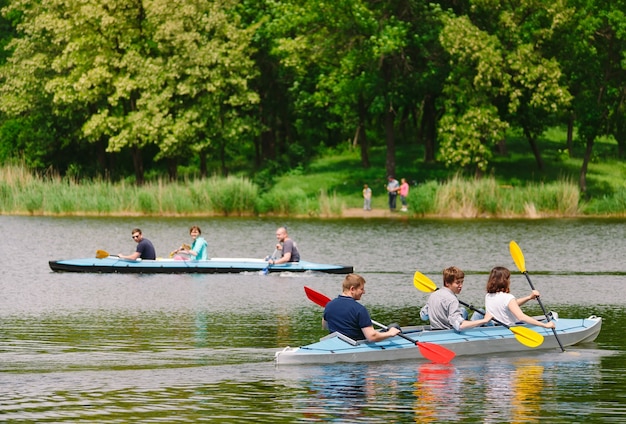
(199, 348)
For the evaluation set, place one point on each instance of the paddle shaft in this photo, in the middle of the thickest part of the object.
(405, 337)
(480, 311)
(544, 311)
(520, 262)
(267, 268)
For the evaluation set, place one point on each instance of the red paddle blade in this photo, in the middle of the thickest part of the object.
(316, 297)
(435, 352)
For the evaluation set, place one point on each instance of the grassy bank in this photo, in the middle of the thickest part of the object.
(332, 183)
(315, 195)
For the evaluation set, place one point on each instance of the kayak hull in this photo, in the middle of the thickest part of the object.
(113, 264)
(487, 340)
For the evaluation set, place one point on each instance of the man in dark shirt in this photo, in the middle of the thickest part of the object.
(145, 249)
(348, 317)
(287, 246)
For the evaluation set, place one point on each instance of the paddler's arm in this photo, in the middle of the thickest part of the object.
(376, 336)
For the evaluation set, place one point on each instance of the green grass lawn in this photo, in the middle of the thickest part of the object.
(340, 171)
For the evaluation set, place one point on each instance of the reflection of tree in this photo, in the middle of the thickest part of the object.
(437, 385)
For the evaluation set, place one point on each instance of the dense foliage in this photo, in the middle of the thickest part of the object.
(148, 87)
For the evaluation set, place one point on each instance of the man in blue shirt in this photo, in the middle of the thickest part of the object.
(348, 317)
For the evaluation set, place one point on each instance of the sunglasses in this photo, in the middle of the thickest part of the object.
(137, 236)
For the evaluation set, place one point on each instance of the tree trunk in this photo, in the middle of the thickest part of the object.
(390, 163)
(223, 159)
(570, 136)
(429, 127)
(101, 158)
(361, 134)
(138, 165)
(172, 169)
(535, 149)
(583, 170)
(203, 166)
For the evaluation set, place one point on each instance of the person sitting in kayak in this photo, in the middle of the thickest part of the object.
(198, 251)
(348, 317)
(443, 309)
(145, 249)
(503, 305)
(287, 246)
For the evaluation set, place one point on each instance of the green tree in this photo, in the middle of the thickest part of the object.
(591, 50)
(139, 74)
(501, 70)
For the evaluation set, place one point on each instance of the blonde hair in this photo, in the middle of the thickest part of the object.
(352, 280)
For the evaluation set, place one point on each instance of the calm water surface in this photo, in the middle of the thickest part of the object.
(199, 348)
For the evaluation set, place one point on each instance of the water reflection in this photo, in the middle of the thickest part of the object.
(513, 391)
(342, 394)
(435, 386)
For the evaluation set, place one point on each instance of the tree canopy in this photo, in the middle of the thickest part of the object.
(117, 88)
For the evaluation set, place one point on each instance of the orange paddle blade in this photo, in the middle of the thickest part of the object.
(101, 254)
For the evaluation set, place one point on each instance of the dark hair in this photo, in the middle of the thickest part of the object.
(499, 280)
(195, 227)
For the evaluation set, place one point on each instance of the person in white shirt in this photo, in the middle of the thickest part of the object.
(503, 305)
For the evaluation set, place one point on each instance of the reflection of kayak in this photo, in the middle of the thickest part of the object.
(172, 266)
(476, 341)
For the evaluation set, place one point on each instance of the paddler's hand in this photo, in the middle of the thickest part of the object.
(393, 331)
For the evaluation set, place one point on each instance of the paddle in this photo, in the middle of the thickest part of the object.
(266, 270)
(524, 335)
(431, 351)
(101, 254)
(518, 258)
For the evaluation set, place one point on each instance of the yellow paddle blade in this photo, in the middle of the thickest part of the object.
(423, 283)
(527, 337)
(101, 254)
(518, 256)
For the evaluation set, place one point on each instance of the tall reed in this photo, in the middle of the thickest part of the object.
(484, 197)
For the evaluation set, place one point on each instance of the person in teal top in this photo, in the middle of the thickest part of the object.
(199, 250)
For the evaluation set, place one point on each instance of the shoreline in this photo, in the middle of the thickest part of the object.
(346, 213)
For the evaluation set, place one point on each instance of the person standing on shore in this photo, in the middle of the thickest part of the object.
(392, 188)
(404, 192)
(367, 198)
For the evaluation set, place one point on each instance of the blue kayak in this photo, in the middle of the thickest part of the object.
(112, 264)
(487, 340)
